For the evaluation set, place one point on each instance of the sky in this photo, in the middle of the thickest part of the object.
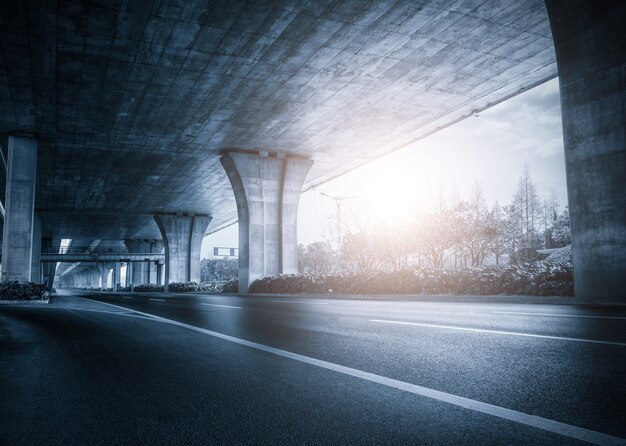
(491, 149)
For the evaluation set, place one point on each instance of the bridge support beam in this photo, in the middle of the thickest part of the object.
(140, 271)
(17, 246)
(591, 58)
(267, 190)
(182, 240)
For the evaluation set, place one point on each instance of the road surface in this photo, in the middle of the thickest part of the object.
(97, 368)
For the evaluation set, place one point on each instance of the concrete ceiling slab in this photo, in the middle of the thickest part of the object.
(132, 102)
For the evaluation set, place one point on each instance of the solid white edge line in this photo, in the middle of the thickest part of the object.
(561, 315)
(556, 427)
(509, 333)
(216, 305)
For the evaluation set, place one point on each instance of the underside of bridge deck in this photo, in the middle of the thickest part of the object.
(130, 105)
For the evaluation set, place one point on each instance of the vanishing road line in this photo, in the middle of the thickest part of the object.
(216, 305)
(556, 427)
(127, 297)
(509, 333)
(561, 315)
(156, 300)
(300, 302)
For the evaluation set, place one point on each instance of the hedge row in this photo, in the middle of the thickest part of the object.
(543, 278)
(22, 291)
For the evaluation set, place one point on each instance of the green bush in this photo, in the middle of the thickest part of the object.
(22, 290)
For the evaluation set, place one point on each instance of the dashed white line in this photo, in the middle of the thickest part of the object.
(509, 333)
(300, 302)
(557, 427)
(156, 300)
(216, 305)
(127, 297)
(561, 315)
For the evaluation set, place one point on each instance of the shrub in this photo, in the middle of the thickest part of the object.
(232, 286)
(148, 287)
(190, 287)
(22, 290)
(540, 278)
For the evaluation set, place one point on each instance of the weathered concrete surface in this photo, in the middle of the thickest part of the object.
(35, 269)
(182, 240)
(17, 246)
(591, 55)
(267, 190)
(140, 271)
(133, 101)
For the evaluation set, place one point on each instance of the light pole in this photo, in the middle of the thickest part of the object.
(338, 201)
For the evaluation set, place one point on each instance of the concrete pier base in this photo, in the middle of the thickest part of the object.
(267, 190)
(17, 245)
(182, 240)
(591, 57)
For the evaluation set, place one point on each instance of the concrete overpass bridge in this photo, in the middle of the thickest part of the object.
(134, 121)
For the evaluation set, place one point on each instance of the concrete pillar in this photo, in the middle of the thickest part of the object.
(104, 274)
(267, 190)
(591, 58)
(116, 275)
(35, 268)
(17, 243)
(141, 270)
(48, 269)
(159, 273)
(182, 239)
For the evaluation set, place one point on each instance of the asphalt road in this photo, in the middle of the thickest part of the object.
(205, 369)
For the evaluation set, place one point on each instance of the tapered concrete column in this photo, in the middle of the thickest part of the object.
(116, 275)
(104, 274)
(182, 240)
(267, 190)
(17, 243)
(591, 58)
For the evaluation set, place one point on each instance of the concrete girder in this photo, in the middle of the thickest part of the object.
(591, 59)
(267, 191)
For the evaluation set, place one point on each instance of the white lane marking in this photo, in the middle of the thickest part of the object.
(557, 427)
(127, 297)
(300, 302)
(216, 305)
(156, 300)
(510, 333)
(560, 315)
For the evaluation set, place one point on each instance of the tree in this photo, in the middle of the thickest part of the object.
(220, 269)
(561, 230)
(316, 258)
(526, 212)
(359, 252)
